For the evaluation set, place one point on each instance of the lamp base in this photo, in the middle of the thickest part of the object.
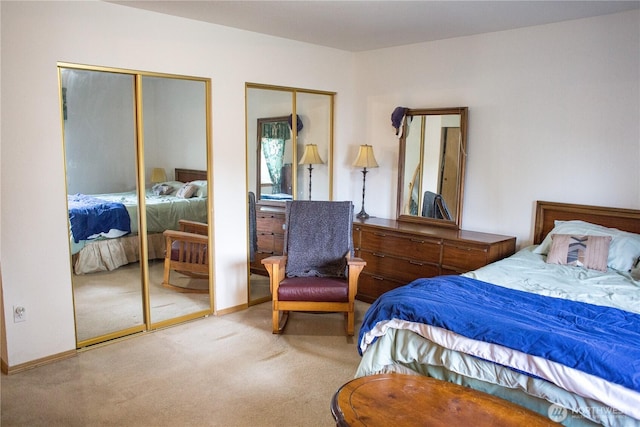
(362, 215)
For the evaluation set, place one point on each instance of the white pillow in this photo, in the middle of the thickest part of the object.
(175, 185)
(624, 248)
(201, 188)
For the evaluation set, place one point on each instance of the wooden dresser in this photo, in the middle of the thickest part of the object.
(270, 231)
(400, 252)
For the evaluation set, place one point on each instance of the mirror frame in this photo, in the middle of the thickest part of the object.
(455, 223)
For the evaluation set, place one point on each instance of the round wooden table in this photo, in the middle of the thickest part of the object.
(409, 400)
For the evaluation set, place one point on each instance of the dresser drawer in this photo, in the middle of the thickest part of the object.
(371, 286)
(270, 243)
(464, 257)
(256, 266)
(401, 269)
(402, 245)
(269, 223)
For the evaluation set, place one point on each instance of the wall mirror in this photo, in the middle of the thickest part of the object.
(289, 135)
(132, 141)
(433, 147)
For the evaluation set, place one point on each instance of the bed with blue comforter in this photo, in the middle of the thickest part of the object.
(563, 340)
(104, 227)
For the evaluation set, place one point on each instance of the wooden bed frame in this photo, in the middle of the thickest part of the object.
(548, 212)
(188, 175)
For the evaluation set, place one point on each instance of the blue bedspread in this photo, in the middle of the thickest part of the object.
(598, 340)
(89, 215)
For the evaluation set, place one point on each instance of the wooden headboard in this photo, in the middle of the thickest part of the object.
(188, 175)
(548, 212)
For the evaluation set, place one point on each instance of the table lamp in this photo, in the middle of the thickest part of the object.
(310, 157)
(365, 160)
(158, 175)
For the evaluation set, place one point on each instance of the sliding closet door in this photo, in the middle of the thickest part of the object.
(124, 133)
(175, 137)
(100, 152)
(316, 109)
(277, 168)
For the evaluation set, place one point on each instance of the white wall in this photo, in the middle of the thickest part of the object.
(35, 35)
(541, 100)
(554, 115)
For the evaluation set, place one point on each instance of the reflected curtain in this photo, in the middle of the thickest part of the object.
(274, 136)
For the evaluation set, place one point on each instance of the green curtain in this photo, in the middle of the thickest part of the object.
(276, 130)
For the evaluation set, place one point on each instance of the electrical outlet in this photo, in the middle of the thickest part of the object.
(19, 314)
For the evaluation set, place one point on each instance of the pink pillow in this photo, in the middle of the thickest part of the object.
(186, 191)
(581, 251)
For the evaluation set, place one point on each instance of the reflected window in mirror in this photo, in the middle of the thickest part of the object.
(431, 166)
(275, 154)
(281, 121)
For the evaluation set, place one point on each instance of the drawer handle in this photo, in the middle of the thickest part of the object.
(377, 277)
(379, 255)
(380, 234)
(416, 263)
(417, 240)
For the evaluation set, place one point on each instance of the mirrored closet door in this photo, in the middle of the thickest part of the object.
(136, 154)
(289, 157)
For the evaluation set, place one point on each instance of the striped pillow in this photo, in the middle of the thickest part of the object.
(581, 251)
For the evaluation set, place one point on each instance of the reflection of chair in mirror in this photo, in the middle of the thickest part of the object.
(186, 253)
(253, 232)
(412, 203)
(317, 271)
(434, 206)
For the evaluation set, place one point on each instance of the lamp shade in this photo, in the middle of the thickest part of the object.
(365, 158)
(310, 155)
(158, 175)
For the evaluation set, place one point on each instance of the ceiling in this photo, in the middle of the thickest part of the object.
(365, 25)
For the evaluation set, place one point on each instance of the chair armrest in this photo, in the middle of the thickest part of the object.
(355, 266)
(275, 266)
(193, 226)
(171, 235)
(281, 260)
(356, 261)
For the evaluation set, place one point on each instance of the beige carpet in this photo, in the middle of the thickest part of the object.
(110, 301)
(218, 371)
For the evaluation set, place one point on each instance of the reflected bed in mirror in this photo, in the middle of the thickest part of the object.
(433, 146)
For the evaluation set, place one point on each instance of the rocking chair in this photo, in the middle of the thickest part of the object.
(186, 253)
(317, 271)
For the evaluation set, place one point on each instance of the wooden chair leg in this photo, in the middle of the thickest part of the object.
(279, 322)
(350, 323)
(167, 271)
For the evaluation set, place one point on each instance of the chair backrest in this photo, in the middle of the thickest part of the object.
(318, 237)
(253, 232)
(434, 206)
